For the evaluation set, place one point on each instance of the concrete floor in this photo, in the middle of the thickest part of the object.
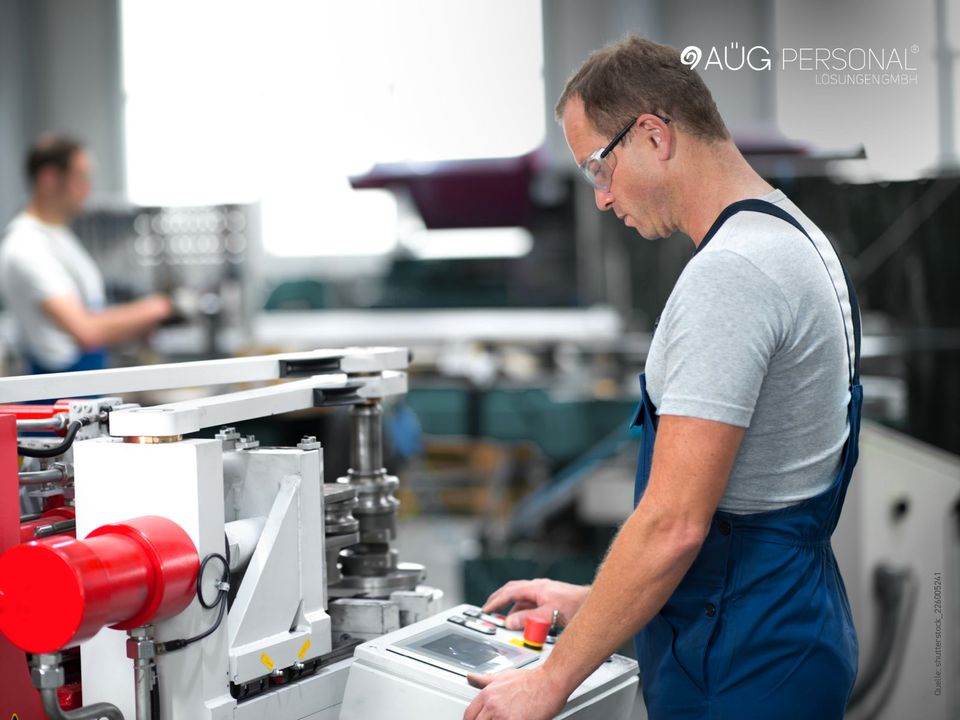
(441, 542)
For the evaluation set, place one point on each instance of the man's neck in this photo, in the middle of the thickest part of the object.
(720, 177)
(46, 214)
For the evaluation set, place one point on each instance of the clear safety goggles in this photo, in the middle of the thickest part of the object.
(598, 167)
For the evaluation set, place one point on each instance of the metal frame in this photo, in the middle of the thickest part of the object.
(189, 416)
(194, 374)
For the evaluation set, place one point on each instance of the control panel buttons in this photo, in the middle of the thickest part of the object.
(481, 627)
(499, 620)
(472, 612)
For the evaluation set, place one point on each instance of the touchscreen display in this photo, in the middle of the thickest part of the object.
(465, 651)
(459, 652)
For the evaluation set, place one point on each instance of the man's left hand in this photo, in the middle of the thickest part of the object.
(516, 695)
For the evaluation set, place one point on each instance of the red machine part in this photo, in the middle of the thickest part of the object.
(17, 695)
(57, 592)
(54, 515)
(70, 696)
(36, 412)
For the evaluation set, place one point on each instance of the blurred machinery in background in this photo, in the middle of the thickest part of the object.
(211, 250)
(176, 577)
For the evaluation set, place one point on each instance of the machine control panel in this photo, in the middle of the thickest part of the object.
(420, 670)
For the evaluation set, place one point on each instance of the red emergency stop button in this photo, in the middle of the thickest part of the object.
(535, 631)
(59, 591)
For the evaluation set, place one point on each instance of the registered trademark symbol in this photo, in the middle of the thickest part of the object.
(914, 48)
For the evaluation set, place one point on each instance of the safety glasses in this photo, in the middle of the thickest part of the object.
(598, 167)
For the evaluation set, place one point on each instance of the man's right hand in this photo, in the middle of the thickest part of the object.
(540, 597)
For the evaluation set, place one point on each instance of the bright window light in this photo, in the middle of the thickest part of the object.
(461, 243)
(241, 101)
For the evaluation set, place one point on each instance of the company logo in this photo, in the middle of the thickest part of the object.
(829, 66)
(691, 56)
(731, 57)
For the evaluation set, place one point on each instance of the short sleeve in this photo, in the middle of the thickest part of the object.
(724, 321)
(39, 274)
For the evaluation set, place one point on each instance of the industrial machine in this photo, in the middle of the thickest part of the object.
(172, 577)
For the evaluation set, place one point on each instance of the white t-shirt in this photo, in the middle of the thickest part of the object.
(40, 261)
(758, 333)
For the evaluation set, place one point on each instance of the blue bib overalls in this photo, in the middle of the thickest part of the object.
(88, 360)
(760, 626)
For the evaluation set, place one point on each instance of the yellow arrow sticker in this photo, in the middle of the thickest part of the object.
(265, 659)
(303, 650)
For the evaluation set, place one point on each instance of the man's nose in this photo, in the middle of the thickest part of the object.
(604, 199)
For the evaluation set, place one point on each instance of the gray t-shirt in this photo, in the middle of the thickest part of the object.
(753, 336)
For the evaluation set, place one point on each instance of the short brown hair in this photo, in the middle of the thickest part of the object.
(637, 76)
(50, 150)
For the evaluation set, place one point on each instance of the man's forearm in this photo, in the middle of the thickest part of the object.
(646, 562)
(96, 329)
(122, 322)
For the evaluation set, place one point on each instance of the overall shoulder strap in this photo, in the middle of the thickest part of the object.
(768, 208)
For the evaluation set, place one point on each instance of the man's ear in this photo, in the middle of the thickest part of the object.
(659, 135)
(47, 179)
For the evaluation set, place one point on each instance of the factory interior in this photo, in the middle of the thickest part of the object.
(397, 355)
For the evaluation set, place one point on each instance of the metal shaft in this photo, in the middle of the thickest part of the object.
(142, 649)
(47, 676)
(57, 473)
(370, 568)
(96, 711)
(57, 422)
(366, 450)
(143, 683)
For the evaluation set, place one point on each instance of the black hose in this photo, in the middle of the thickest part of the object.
(171, 645)
(51, 452)
(226, 578)
(891, 588)
(155, 697)
(222, 595)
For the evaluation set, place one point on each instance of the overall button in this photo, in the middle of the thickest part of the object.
(725, 527)
(710, 610)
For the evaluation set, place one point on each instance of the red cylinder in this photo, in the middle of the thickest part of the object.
(58, 591)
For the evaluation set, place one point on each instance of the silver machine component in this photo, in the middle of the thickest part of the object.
(142, 649)
(56, 422)
(47, 676)
(55, 473)
(341, 528)
(371, 568)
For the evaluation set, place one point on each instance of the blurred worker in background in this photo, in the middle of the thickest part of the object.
(50, 284)
(750, 414)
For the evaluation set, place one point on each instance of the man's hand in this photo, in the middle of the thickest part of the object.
(541, 597)
(516, 695)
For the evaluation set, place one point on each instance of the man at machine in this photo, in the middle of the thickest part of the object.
(750, 414)
(48, 281)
